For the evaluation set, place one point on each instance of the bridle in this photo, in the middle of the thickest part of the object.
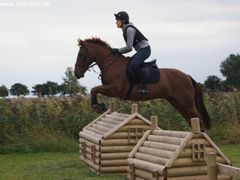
(84, 58)
(90, 67)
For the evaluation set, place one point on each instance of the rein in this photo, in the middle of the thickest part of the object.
(92, 65)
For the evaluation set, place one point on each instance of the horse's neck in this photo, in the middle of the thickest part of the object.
(102, 58)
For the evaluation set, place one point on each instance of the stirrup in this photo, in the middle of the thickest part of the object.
(142, 89)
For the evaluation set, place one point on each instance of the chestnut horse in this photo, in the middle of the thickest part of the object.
(178, 88)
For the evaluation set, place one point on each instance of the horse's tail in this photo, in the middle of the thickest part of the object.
(200, 104)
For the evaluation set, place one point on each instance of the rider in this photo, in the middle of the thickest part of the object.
(133, 38)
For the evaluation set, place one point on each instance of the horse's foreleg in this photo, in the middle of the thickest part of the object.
(105, 90)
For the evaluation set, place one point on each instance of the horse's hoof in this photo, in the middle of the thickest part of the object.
(99, 108)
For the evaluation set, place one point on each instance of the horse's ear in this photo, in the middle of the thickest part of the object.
(80, 42)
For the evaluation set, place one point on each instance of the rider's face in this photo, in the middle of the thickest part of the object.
(119, 23)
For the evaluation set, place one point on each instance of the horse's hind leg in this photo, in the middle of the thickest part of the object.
(188, 112)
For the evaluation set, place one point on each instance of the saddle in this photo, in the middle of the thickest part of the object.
(148, 73)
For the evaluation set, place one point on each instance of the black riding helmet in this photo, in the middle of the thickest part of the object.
(122, 15)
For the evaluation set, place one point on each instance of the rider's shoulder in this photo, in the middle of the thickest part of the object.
(130, 28)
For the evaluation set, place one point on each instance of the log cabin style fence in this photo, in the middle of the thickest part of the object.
(130, 144)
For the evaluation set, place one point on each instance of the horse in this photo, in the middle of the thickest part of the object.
(178, 88)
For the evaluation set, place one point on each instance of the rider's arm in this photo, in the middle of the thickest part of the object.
(130, 37)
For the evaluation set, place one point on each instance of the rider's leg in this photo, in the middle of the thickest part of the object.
(137, 60)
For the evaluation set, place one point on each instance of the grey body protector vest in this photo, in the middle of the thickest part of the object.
(137, 38)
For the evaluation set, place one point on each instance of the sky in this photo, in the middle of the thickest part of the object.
(38, 38)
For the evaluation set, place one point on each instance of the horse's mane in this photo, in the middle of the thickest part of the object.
(95, 41)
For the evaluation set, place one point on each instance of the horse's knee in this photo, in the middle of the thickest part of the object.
(93, 91)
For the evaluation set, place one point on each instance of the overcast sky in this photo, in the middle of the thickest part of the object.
(38, 39)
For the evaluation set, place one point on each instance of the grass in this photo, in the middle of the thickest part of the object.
(60, 166)
(67, 166)
(232, 151)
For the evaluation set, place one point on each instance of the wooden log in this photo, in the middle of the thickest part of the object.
(134, 108)
(155, 152)
(125, 135)
(89, 137)
(92, 133)
(183, 162)
(111, 107)
(195, 123)
(229, 170)
(186, 171)
(178, 151)
(198, 136)
(121, 114)
(212, 166)
(89, 157)
(147, 166)
(97, 131)
(89, 150)
(116, 155)
(114, 142)
(129, 177)
(101, 128)
(154, 122)
(131, 171)
(114, 169)
(88, 144)
(151, 158)
(157, 145)
(140, 142)
(200, 141)
(98, 118)
(187, 152)
(108, 125)
(139, 178)
(143, 174)
(115, 117)
(114, 162)
(111, 121)
(137, 121)
(178, 134)
(201, 177)
(111, 149)
(89, 163)
(126, 127)
(119, 126)
(119, 135)
(162, 139)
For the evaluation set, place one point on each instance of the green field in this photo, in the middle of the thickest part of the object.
(67, 166)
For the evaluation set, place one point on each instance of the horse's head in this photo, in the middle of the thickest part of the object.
(84, 60)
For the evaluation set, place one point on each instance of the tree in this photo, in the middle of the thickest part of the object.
(49, 88)
(52, 88)
(19, 89)
(39, 90)
(3, 91)
(230, 68)
(213, 82)
(70, 85)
